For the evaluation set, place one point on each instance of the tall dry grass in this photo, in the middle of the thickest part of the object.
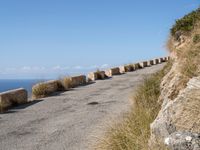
(133, 131)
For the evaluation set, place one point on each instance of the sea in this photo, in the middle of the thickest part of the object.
(10, 84)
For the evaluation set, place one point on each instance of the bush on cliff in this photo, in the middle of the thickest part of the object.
(187, 23)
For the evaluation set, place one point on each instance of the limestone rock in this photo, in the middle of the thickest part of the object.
(183, 141)
(180, 114)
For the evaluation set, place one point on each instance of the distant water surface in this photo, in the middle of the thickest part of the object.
(10, 84)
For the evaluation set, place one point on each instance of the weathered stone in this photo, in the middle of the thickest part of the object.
(179, 114)
(13, 97)
(78, 80)
(113, 71)
(183, 141)
(96, 75)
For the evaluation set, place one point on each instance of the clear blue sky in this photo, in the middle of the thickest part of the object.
(49, 38)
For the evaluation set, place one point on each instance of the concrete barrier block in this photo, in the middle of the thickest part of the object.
(113, 71)
(129, 68)
(122, 69)
(98, 75)
(161, 60)
(136, 66)
(45, 88)
(143, 64)
(78, 80)
(156, 61)
(13, 97)
(150, 63)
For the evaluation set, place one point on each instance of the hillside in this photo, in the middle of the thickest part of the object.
(165, 112)
(178, 122)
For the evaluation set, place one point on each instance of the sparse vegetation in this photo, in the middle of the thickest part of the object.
(65, 83)
(187, 23)
(40, 91)
(133, 132)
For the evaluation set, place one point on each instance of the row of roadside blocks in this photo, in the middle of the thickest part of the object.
(20, 96)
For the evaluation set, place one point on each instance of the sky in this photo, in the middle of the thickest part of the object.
(53, 38)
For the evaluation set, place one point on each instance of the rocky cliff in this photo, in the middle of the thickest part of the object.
(178, 123)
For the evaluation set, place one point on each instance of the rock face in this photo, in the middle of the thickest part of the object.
(180, 114)
(183, 141)
(178, 122)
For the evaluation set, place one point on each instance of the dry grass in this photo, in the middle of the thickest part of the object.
(40, 91)
(189, 55)
(65, 83)
(133, 132)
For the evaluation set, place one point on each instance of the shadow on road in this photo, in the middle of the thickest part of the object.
(22, 106)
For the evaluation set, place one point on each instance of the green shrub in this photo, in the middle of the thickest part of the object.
(187, 23)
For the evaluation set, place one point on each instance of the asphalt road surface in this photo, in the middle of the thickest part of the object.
(69, 120)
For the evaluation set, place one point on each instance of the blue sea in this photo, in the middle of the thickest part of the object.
(10, 84)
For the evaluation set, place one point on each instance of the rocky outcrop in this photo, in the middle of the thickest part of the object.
(178, 122)
(183, 141)
(178, 115)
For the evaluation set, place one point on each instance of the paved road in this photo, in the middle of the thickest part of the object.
(70, 120)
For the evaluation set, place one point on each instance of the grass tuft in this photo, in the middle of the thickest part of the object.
(40, 91)
(133, 132)
(65, 83)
